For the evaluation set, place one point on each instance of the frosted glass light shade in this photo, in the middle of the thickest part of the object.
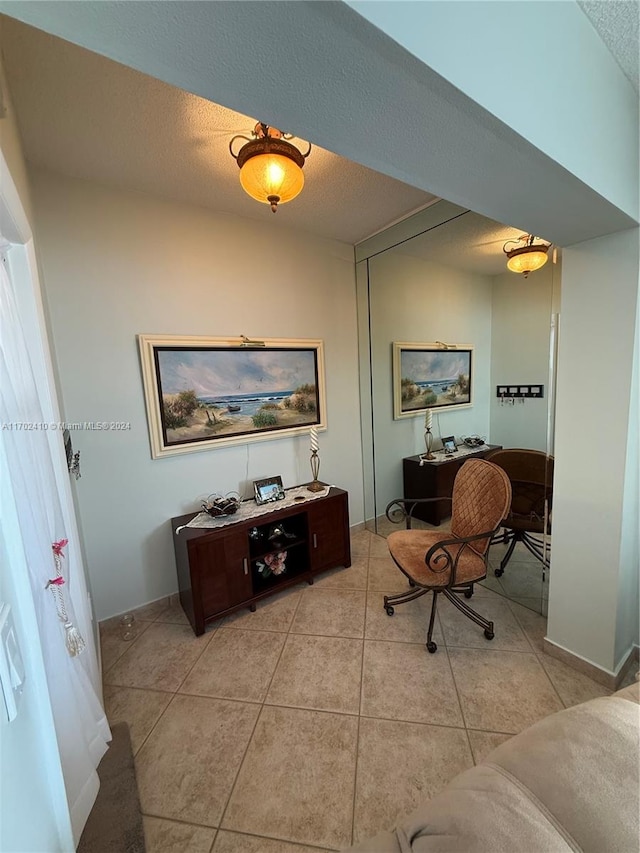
(269, 177)
(527, 259)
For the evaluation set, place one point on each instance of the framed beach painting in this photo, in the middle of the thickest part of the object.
(202, 393)
(431, 376)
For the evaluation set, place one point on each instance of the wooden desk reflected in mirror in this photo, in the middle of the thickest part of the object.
(422, 479)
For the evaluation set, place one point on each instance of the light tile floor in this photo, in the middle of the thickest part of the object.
(316, 721)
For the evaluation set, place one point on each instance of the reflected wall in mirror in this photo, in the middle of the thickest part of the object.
(450, 284)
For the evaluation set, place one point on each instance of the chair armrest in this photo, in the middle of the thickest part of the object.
(448, 561)
(402, 513)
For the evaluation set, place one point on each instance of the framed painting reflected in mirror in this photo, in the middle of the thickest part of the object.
(430, 376)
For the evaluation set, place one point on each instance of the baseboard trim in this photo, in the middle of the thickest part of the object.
(606, 677)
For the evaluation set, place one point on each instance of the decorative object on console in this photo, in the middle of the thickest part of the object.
(473, 441)
(270, 166)
(449, 444)
(526, 256)
(274, 564)
(268, 490)
(316, 485)
(206, 392)
(217, 505)
(428, 437)
(431, 376)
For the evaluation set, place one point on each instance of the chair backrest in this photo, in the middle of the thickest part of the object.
(481, 500)
(531, 476)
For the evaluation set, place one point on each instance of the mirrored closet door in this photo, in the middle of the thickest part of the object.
(446, 286)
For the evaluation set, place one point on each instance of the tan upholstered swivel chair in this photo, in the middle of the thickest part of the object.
(450, 563)
(531, 475)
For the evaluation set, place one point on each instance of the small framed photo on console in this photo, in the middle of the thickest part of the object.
(268, 490)
(449, 444)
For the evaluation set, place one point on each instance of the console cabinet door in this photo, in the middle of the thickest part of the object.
(329, 543)
(220, 571)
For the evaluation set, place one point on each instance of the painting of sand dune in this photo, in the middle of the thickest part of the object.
(427, 376)
(214, 394)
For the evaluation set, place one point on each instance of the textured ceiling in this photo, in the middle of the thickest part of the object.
(88, 117)
(347, 86)
(470, 242)
(618, 24)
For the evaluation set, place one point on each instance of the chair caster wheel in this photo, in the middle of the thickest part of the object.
(431, 647)
(389, 609)
(252, 608)
(498, 572)
(489, 634)
(468, 593)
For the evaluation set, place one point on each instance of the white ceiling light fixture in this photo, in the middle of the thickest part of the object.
(527, 255)
(270, 166)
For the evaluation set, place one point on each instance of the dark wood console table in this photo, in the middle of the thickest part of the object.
(434, 480)
(219, 569)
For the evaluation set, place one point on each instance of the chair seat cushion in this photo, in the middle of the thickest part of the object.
(409, 547)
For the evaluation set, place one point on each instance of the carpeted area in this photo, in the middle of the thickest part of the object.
(115, 822)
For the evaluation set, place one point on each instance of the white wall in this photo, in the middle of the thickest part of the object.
(595, 362)
(628, 623)
(118, 264)
(548, 96)
(520, 331)
(416, 300)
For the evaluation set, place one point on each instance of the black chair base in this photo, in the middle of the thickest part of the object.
(448, 592)
(532, 543)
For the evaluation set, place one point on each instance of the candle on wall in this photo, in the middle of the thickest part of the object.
(428, 419)
(314, 439)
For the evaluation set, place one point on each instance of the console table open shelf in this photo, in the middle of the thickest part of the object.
(218, 568)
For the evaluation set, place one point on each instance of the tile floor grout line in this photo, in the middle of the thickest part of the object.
(240, 766)
(178, 820)
(205, 646)
(414, 722)
(355, 769)
(213, 843)
(277, 838)
(455, 687)
(538, 657)
(258, 716)
(152, 729)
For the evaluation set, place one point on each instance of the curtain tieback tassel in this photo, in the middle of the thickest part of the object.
(73, 639)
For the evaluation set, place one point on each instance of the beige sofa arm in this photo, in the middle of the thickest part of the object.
(567, 783)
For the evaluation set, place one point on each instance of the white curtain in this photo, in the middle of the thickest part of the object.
(81, 726)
